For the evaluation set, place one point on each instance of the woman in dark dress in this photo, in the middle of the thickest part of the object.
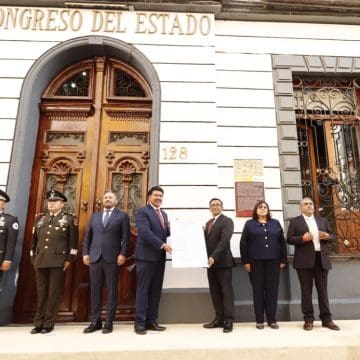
(263, 254)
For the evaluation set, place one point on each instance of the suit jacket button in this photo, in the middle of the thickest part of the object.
(46, 247)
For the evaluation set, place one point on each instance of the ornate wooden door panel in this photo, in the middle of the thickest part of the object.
(124, 160)
(124, 155)
(93, 136)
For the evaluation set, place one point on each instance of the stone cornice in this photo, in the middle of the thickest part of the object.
(320, 11)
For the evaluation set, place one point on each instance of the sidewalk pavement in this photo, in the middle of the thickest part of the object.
(183, 341)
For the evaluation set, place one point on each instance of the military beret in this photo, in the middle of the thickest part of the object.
(56, 195)
(4, 196)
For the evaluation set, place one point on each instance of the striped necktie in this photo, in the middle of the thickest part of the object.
(158, 212)
(210, 225)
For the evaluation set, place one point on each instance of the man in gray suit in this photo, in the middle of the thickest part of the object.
(314, 240)
(104, 250)
(218, 232)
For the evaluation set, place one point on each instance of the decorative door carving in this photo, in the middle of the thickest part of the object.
(94, 135)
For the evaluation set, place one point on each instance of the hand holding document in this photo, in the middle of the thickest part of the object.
(188, 244)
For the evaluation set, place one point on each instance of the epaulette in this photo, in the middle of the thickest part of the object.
(74, 216)
(39, 215)
(69, 213)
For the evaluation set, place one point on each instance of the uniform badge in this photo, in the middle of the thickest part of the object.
(63, 221)
(15, 226)
(2, 221)
(40, 222)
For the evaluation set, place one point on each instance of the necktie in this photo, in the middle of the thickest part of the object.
(51, 219)
(106, 217)
(210, 225)
(158, 212)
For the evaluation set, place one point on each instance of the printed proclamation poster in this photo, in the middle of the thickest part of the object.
(188, 244)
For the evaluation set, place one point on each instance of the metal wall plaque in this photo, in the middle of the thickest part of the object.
(249, 185)
(247, 194)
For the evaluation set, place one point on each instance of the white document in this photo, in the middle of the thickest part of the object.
(188, 244)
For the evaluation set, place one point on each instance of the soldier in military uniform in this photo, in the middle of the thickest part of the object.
(53, 249)
(9, 228)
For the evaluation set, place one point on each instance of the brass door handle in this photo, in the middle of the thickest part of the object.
(98, 204)
(84, 205)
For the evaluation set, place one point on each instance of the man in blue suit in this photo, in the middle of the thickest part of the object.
(104, 250)
(150, 255)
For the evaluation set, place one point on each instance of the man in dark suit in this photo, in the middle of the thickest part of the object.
(218, 232)
(9, 228)
(151, 247)
(314, 240)
(53, 249)
(104, 250)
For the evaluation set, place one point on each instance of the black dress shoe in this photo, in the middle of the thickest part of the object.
(274, 325)
(228, 327)
(260, 326)
(308, 325)
(46, 330)
(36, 330)
(108, 328)
(140, 330)
(331, 325)
(92, 327)
(214, 324)
(155, 327)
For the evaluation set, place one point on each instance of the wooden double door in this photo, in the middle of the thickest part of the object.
(94, 136)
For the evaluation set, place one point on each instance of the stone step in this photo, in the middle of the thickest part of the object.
(184, 341)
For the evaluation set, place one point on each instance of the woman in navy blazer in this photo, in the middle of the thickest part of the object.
(263, 254)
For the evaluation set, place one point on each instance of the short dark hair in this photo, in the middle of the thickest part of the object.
(155, 188)
(111, 192)
(254, 214)
(215, 199)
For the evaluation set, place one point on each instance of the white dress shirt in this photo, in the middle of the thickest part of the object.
(109, 211)
(314, 231)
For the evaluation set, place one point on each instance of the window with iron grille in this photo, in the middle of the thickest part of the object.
(328, 128)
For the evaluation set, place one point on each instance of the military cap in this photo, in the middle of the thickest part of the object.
(56, 195)
(4, 196)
